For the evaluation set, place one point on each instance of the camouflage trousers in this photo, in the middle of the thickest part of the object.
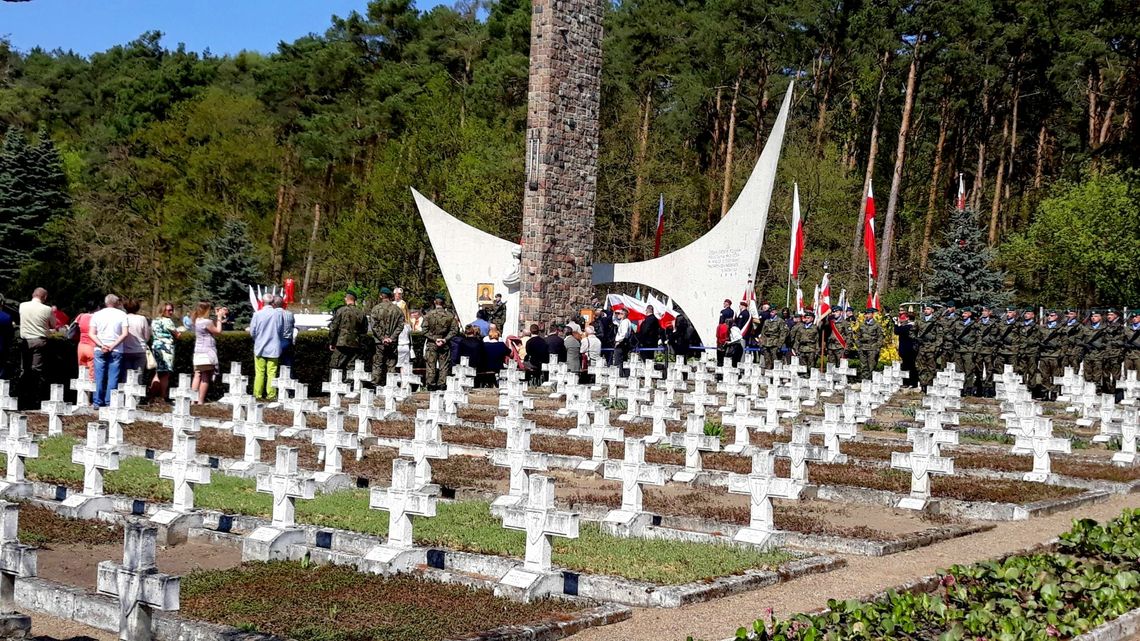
(971, 369)
(926, 365)
(383, 363)
(438, 363)
(1103, 371)
(342, 357)
(1050, 367)
(771, 356)
(834, 356)
(868, 361)
(1132, 363)
(810, 360)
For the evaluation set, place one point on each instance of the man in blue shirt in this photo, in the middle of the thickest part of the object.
(266, 327)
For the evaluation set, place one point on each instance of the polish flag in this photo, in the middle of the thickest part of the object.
(869, 234)
(824, 306)
(796, 250)
(799, 301)
(663, 311)
(633, 307)
(961, 192)
(660, 226)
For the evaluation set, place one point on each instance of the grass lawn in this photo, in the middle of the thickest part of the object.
(331, 603)
(466, 526)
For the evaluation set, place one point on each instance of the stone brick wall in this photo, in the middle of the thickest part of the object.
(561, 159)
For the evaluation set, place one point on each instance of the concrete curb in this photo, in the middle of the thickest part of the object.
(553, 630)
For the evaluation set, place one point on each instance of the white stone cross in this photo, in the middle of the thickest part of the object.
(96, 456)
(359, 378)
(116, 414)
(600, 432)
(402, 500)
(336, 387)
(365, 411)
(184, 470)
(1109, 418)
(427, 444)
(520, 460)
(833, 428)
(1039, 440)
(744, 421)
(184, 388)
(437, 411)
(1130, 386)
(762, 485)
(633, 472)
(133, 389)
(541, 522)
(286, 484)
(800, 450)
(180, 420)
(633, 396)
(1128, 428)
(922, 461)
(17, 561)
(236, 385)
(695, 441)
(299, 404)
(18, 447)
(938, 435)
(331, 441)
(408, 378)
(254, 430)
(84, 387)
(579, 402)
(55, 407)
(285, 384)
(660, 411)
(137, 584)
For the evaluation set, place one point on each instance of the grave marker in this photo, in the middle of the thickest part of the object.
(633, 472)
(17, 561)
(695, 441)
(541, 522)
(762, 485)
(139, 586)
(18, 447)
(922, 461)
(55, 407)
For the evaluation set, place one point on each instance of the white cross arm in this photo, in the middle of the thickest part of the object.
(154, 589)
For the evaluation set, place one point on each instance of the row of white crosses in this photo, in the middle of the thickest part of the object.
(1130, 388)
(55, 408)
(331, 441)
(19, 446)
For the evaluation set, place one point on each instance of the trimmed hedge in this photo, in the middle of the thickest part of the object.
(311, 357)
(1093, 577)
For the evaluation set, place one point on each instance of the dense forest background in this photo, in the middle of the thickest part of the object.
(120, 170)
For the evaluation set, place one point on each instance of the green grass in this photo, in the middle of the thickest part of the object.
(466, 526)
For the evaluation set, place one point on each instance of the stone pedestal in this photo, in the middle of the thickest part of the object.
(81, 506)
(525, 585)
(174, 527)
(269, 543)
(387, 561)
(626, 524)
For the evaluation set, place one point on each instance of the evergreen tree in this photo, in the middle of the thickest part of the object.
(962, 269)
(33, 190)
(227, 271)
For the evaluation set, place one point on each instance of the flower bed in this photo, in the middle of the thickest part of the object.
(43, 528)
(1090, 578)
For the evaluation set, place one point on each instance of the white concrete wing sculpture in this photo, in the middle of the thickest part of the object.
(721, 264)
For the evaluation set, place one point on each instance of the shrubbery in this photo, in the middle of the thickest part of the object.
(1092, 578)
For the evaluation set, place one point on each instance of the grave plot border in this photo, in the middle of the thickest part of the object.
(976, 510)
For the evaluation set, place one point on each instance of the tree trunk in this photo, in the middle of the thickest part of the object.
(821, 118)
(979, 186)
(932, 198)
(726, 189)
(713, 161)
(896, 178)
(1012, 138)
(995, 207)
(642, 145)
(312, 250)
(849, 143)
(872, 153)
(1039, 169)
(1092, 91)
(286, 196)
(762, 94)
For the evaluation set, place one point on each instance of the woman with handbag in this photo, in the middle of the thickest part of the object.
(80, 330)
(205, 347)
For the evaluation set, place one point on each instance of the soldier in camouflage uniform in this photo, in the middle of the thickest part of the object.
(804, 340)
(387, 324)
(1132, 344)
(869, 340)
(1006, 352)
(1074, 349)
(1096, 345)
(499, 313)
(838, 338)
(928, 338)
(948, 325)
(967, 332)
(440, 327)
(347, 330)
(1054, 338)
(1114, 354)
(989, 340)
(773, 334)
(1028, 344)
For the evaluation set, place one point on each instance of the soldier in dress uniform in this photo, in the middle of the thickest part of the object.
(347, 330)
(869, 340)
(1096, 345)
(804, 340)
(1006, 353)
(928, 338)
(1054, 339)
(1114, 353)
(1132, 344)
(1028, 344)
(439, 327)
(773, 335)
(989, 340)
(1074, 350)
(387, 323)
(948, 322)
(967, 332)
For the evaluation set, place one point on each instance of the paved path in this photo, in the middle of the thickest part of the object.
(719, 619)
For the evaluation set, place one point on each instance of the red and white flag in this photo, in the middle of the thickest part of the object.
(961, 192)
(663, 311)
(823, 308)
(799, 301)
(635, 309)
(796, 251)
(660, 226)
(873, 300)
(869, 234)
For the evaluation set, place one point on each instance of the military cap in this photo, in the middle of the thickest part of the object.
(385, 291)
(928, 304)
(1135, 311)
(966, 308)
(1050, 312)
(439, 297)
(1010, 308)
(809, 312)
(871, 310)
(1112, 310)
(1072, 310)
(950, 303)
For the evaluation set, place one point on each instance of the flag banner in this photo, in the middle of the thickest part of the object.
(633, 307)
(799, 301)
(961, 204)
(796, 250)
(869, 234)
(662, 311)
(836, 333)
(824, 307)
(660, 226)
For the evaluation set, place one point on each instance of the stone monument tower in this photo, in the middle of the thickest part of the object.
(561, 159)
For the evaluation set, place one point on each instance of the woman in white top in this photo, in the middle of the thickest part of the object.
(138, 337)
(404, 347)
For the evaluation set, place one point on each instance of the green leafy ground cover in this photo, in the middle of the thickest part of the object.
(331, 603)
(465, 526)
(1092, 578)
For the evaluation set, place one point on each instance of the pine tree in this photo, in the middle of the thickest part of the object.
(227, 271)
(962, 268)
(33, 190)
